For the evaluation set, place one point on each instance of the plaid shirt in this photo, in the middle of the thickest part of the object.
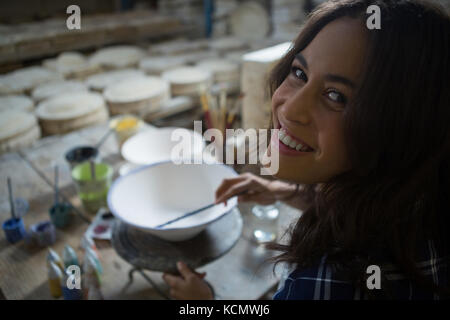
(321, 283)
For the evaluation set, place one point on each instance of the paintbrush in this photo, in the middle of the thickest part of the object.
(205, 107)
(92, 165)
(234, 111)
(223, 110)
(189, 214)
(11, 199)
(103, 139)
(213, 109)
(56, 186)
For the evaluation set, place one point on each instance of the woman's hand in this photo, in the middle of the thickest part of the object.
(189, 286)
(259, 190)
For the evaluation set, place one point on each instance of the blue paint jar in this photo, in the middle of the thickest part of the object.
(60, 214)
(14, 230)
(42, 233)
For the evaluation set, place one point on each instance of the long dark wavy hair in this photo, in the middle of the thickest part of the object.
(397, 129)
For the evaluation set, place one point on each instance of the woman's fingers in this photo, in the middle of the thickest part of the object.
(200, 275)
(188, 285)
(172, 281)
(252, 186)
(246, 187)
(234, 190)
(227, 183)
(184, 270)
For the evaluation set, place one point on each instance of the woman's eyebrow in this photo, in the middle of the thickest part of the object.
(336, 78)
(328, 77)
(302, 60)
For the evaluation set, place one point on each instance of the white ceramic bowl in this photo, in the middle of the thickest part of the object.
(128, 167)
(156, 145)
(152, 195)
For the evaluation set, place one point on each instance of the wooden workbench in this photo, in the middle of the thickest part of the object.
(240, 274)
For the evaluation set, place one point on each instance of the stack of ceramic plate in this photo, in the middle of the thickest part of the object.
(157, 65)
(250, 21)
(170, 107)
(188, 81)
(196, 57)
(227, 44)
(17, 129)
(117, 57)
(178, 46)
(26, 79)
(16, 102)
(223, 70)
(137, 95)
(72, 65)
(47, 90)
(99, 82)
(71, 111)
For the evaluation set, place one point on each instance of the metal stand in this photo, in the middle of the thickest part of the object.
(153, 284)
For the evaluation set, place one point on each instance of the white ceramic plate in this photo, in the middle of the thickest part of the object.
(100, 81)
(49, 89)
(186, 75)
(15, 122)
(156, 145)
(117, 56)
(152, 195)
(136, 89)
(71, 105)
(16, 102)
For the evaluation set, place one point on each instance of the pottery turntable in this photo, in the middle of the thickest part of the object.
(148, 252)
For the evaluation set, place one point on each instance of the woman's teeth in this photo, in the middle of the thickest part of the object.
(291, 143)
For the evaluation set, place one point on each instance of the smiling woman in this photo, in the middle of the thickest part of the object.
(373, 106)
(364, 123)
(307, 106)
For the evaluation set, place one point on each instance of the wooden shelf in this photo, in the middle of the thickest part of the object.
(49, 37)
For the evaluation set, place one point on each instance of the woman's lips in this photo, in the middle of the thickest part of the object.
(285, 150)
(292, 141)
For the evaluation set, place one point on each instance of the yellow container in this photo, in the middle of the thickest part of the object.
(125, 126)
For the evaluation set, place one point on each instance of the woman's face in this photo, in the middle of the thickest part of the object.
(308, 106)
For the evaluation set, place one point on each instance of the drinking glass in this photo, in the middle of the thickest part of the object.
(265, 222)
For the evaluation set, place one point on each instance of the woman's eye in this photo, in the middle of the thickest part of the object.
(299, 73)
(336, 97)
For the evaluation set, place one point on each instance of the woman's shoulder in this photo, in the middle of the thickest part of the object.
(322, 281)
(319, 282)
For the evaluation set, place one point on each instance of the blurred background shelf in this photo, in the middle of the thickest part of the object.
(34, 40)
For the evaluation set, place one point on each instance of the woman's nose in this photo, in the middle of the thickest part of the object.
(299, 105)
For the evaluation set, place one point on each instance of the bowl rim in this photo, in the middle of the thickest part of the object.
(136, 170)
